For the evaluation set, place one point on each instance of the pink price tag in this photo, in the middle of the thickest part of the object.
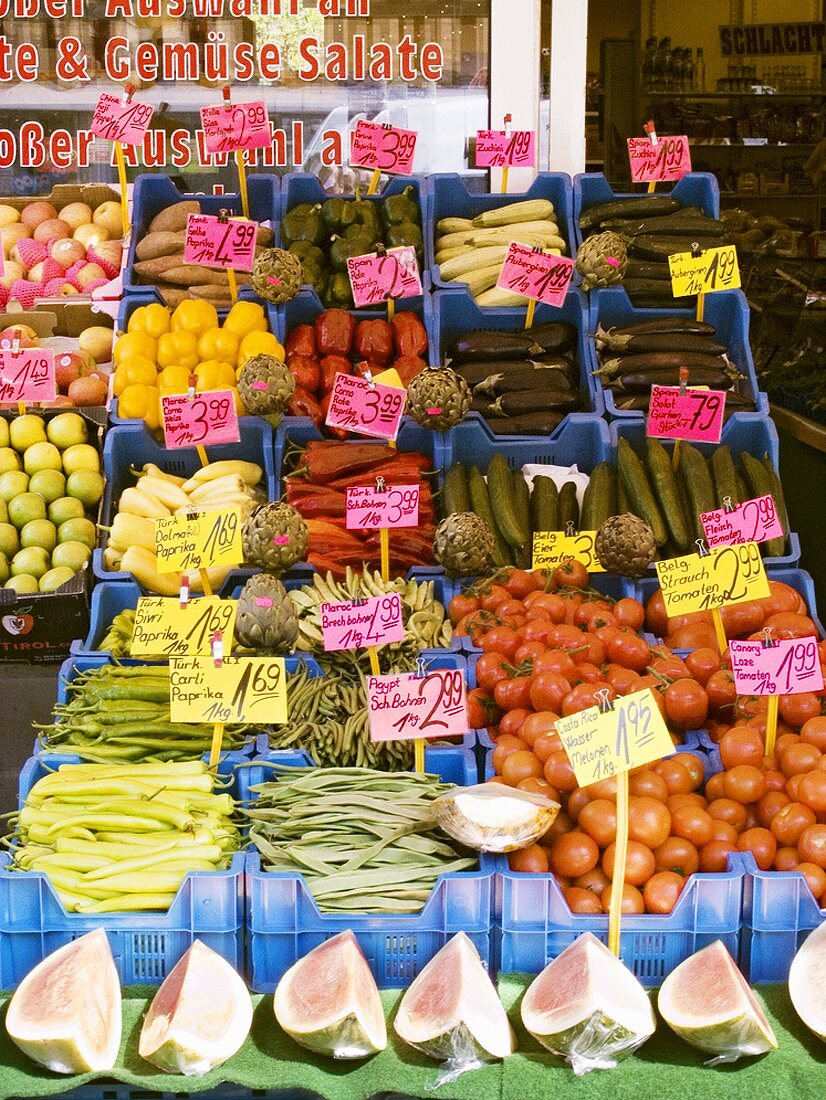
(217, 243)
(498, 148)
(352, 625)
(668, 159)
(752, 521)
(788, 667)
(373, 410)
(376, 278)
(27, 374)
(536, 274)
(388, 148)
(115, 120)
(367, 507)
(403, 706)
(696, 415)
(205, 420)
(237, 126)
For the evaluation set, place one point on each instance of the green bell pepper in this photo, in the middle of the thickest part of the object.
(367, 213)
(339, 292)
(338, 215)
(405, 233)
(303, 223)
(308, 253)
(401, 208)
(342, 250)
(364, 235)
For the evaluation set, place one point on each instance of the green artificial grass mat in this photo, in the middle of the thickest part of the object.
(270, 1060)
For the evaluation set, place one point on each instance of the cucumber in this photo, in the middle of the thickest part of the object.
(761, 482)
(776, 547)
(523, 556)
(599, 501)
(724, 476)
(664, 482)
(456, 496)
(544, 505)
(623, 507)
(694, 525)
(698, 484)
(568, 506)
(641, 499)
(480, 503)
(500, 491)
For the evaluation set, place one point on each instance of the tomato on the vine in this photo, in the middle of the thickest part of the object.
(520, 583)
(571, 574)
(629, 612)
(686, 704)
(547, 690)
(481, 710)
(630, 651)
(513, 693)
(462, 605)
(490, 669)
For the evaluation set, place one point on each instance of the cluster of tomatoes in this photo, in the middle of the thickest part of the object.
(551, 646)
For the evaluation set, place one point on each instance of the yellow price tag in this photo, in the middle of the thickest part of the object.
(164, 628)
(389, 377)
(552, 548)
(714, 269)
(197, 542)
(729, 574)
(237, 690)
(601, 744)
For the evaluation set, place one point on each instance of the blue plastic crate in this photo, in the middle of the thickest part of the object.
(727, 310)
(694, 189)
(153, 193)
(582, 439)
(456, 314)
(450, 197)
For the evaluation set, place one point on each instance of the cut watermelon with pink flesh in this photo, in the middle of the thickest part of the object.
(329, 1002)
(66, 1013)
(452, 1011)
(807, 981)
(708, 1002)
(587, 1007)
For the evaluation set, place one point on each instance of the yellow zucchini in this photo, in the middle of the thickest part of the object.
(540, 225)
(472, 261)
(453, 225)
(497, 297)
(515, 233)
(449, 253)
(480, 280)
(525, 211)
(454, 240)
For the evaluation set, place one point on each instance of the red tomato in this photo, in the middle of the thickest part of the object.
(632, 900)
(811, 845)
(714, 855)
(573, 854)
(630, 613)
(559, 773)
(622, 680)
(547, 691)
(812, 791)
(599, 820)
(702, 663)
(595, 880)
(649, 820)
(741, 745)
(797, 710)
(639, 862)
(571, 574)
(661, 892)
(520, 583)
(582, 901)
(584, 696)
(501, 639)
(678, 778)
(512, 721)
(510, 694)
(493, 596)
(533, 859)
(481, 710)
(693, 823)
(656, 619)
(535, 725)
(770, 805)
(555, 660)
(744, 784)
(686, 704)
(528, 651)
(630, 651)
(761, 843)
(490, 669)
(646, 783)
(677, 855)
(813, 732)
(462, 605)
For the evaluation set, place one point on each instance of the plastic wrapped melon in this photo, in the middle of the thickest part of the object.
(491, 817)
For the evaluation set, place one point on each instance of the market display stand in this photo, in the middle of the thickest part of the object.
(803, 470)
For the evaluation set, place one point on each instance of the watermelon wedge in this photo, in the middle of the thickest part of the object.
(587, 1007)
(329, 1002)
(66, 1013)
(452, 1011)
(807, 982)
(708, 1002)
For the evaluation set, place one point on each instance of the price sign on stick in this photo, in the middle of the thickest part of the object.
(369, 409)
(500, 148)
(116, 119)
(207, 419)
(230, 127)
(552, 548)
(694, 582)
(786, 667)
(536, 274)
(217, 243)
(695, 414)
(376, 277)
(714, 269)
(667, 159)
(752, 521)
(164, 627)
(368, 508)
(27, 374)
(237, 690)
(388, 148)
(198, 542)
(357, 624)
(404, 706)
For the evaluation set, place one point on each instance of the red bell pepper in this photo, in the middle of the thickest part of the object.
(410, 334)
(334, 330)
(301, 341)
(304, 404)
(331, 365)
(339, 433)
(326, 459)
(368, 366)
(408, 367)
(306, 371)
(374, 340)
(406, 468)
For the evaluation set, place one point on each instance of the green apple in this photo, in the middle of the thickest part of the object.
(72, 554)
(9, 459)
(33, 560)
(12, 484)
(39, 532)
(9, 539)
(77, 530)
(4, 512)
(23, 584)
(65, 508)
(41, 456)
(27, 430)
(81, 456)
(50, 484)
(5, 436)
(5, 572)
(67, 430)
(26, 507)
(86, 486)
(53, 579)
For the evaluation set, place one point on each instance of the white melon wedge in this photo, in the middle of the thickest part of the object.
(807, 981)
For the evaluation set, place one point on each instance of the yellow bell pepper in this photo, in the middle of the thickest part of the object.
(134, 343)
(240, 407)
(140, 402)
(194, 316)
(174, 380)
(129, 372)
(219, 343)
(153, 319)
(214, 375)
(178, 349)
(258, 343)
(245, 317)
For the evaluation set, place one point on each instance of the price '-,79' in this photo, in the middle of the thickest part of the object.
(249, 690)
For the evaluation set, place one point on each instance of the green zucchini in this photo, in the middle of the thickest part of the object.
(724, 476)
(480, 502)
(500, 492)
(568, 506)
(664, 481)
(544, 504)
(641, 499)
(599, 502)
(637, 206)
(523, 555)
(698, 484)
(456, 496)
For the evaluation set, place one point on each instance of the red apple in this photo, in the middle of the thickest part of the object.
(91, 390)
(24, 333)
(68, 367)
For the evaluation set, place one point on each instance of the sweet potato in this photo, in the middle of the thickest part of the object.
(172, 219)
(152, 270)
(193, 274)
(155, 245)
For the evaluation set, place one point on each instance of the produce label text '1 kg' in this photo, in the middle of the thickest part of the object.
(115, 120)
(788, 667)
(355, 625)
(215, 243)
(27, 375)
(367, 507)
(714, 269)
(238, 126)
(552, 548)
(388, 148)
(404, 706)
(731, 574)
(373, 410)
(240, 690)
(164, 627)
(500, 149)
(752, 521)
(536, 274)
(375, 278)
(210, 538)
(669, 159)
(695, 415)
(207, 419)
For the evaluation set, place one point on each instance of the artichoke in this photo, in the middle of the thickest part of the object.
(464, 545)
(438, 398)
(275, 537)
(625, 544)
(266, 616)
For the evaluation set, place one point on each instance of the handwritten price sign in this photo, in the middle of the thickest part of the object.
(498, 148)
(217, 243)
(198, 542)
(238, 126)
(669, 159)
(164, 628)
(376, 278)
(207, 419)
(715, 269)
(603, 744)
(696, 414)
(115, 120)
(373, 410)
(351, 625)
(552, 548)
(27, 374)
(388, 148)
(403, 706)
(536, 274)
(240, 690)
(752, 521)
(787, 667)
(396, 506)
(732, 574)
